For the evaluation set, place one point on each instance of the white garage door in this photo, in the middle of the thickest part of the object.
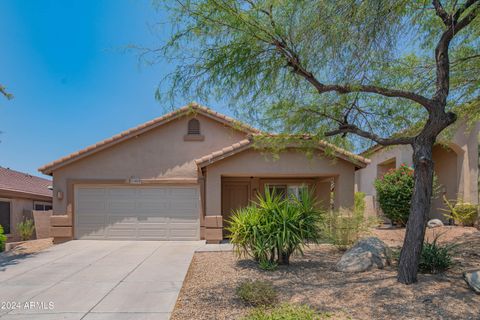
(137, 213)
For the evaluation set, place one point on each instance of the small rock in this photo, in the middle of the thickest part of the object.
(473, 280)
(366, 254)
(435, 223)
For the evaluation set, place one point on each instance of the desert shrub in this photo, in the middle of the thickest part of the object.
(344, 227)
(25, 229)
(463, 213)
(436, 258)
(285, 312)
(360, 202)
(274, 227)
(3, 239)
(257, 293)
(394, 193)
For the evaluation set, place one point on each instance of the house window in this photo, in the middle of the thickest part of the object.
(288, 190)
(193, 127)
(42, 206)
(5, 215)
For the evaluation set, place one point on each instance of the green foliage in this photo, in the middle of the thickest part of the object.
(25, 229)
(344, 227)
(235, 50)
(268, 265)
(286, 312)
(394, 193)
(274, 228)
(3, 239)
(436, 258)
(257, 293)
(359, 203)
(461, 212)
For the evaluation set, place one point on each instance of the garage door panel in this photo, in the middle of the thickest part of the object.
(182, 234)
(120, 193)
(91, 205)
(120, 206)
(117, 220)
(91, 219)
(91, 232)
(152, 206)
(137, 213)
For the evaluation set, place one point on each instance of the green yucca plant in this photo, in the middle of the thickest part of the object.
(436, 258)
(274, 227)
(25, 229)
(460, 212)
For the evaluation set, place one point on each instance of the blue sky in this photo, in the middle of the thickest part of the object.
(73, 81)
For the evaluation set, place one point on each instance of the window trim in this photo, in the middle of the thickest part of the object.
(43, 203)
(287, 185)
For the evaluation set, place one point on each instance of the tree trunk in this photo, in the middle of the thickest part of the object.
(284, 258)
(419, 211)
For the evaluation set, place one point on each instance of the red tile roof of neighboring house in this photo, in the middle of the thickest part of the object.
(11, 180)
(359, 161)
(193, 107)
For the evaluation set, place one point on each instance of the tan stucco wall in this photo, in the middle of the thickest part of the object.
(157, 154)
(464, 175)
(17, 207)
(289, 164)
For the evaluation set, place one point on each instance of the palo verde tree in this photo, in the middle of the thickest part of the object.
(344, 70)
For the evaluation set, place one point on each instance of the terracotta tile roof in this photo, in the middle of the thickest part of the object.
(193, 107)
(223, 153)
(247, 143)
(11, 180)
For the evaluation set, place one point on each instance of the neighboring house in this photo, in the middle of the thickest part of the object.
(456, 167)
(20, 193)
(178, 176)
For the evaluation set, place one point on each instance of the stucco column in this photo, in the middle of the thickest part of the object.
(344, 190)
(322, 190)
(213, 203)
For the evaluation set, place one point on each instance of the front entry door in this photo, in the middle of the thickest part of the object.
(235, 195)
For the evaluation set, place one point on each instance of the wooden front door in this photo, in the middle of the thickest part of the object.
(235, 195)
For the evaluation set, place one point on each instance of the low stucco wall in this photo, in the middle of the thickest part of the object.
(290, 164)
(42, 223)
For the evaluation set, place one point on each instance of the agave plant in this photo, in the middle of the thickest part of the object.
(274, 228)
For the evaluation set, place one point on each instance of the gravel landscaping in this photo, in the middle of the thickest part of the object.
(209, 288)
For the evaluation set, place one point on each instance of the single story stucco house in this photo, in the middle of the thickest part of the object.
(178, 177)
(456, 167)
(20, 194)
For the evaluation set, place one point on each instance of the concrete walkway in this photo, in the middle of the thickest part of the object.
(96, 280)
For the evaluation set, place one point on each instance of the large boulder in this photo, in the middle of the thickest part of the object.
(435, 223)
(364, 255)
(473, 280)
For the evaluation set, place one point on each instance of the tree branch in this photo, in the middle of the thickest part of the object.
(441, 51)
(293, 61)
(350, 128)
(4, 92)
(462, 9)
(440, 11)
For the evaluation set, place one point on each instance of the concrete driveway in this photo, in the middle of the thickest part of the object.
(96, 280)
